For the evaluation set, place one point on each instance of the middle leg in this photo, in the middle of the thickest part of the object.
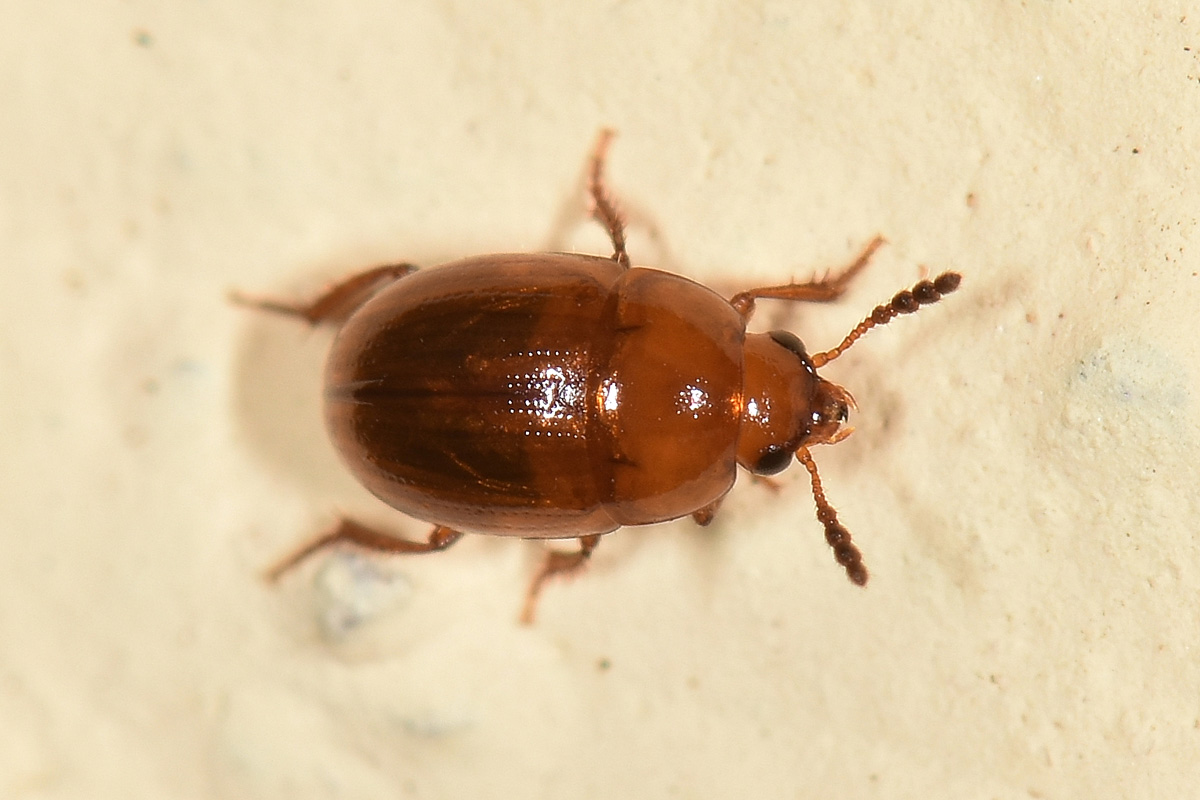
(704, 515)
(604, 210)
(557, 563)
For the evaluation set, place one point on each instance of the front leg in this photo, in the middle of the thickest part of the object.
(823, 290)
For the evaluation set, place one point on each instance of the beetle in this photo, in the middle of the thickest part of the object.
(564, 396)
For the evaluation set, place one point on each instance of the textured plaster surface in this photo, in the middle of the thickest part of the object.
(1024, 478)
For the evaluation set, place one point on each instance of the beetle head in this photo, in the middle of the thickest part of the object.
(786, 405)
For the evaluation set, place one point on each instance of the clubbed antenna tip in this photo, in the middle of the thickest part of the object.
(835, 532)
(922, 294)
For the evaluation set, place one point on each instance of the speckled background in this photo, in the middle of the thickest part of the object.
(1024, 480)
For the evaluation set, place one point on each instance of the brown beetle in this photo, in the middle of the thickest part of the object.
(556, 395)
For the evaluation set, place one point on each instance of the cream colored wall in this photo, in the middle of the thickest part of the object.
(1023, 482)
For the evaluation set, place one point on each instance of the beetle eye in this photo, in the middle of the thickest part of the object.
(843, 412)
(774, 459)
(790, 341)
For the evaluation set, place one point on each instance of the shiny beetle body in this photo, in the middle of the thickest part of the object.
(564, 396)
(551, 395)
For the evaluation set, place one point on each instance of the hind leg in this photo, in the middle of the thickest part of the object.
(339, 301)
(350, 532)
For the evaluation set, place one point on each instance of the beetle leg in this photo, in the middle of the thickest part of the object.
(763, 480)
(339, 301)
(604, 210)
(351, 532)
(704, 515)
(826, 289)
(557, 563)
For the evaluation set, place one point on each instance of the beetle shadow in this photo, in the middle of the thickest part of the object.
(276, 400)
(276, 396)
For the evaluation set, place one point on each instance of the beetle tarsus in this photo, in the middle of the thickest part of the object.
(557, 563)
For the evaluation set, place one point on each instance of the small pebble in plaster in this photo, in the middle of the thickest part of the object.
(1133, 374)
(563, 396)
(352, 590)
(1134, 395)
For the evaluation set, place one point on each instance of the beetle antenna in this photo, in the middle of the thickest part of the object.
(836, 534)
(922, 294)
